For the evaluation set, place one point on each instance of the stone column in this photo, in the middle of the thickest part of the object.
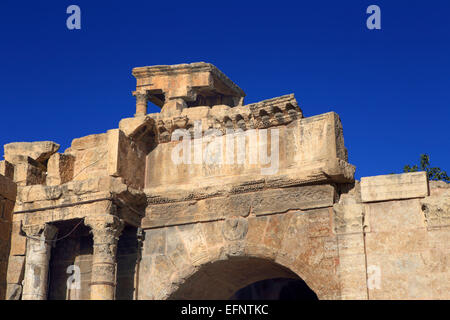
(106, 230)
(141, 103)
(37, 261)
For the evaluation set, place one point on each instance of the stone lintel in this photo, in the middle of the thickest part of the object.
(394, 187)
(264, 202)
(130, 208)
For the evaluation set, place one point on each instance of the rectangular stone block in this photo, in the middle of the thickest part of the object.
(13, 291)
(396, 243)
(28, 172)
(394, 216)
(352, 273)
(16, 267)
(394, 186)
(295, 198)
(18, 242)
(60, 169)
(8, 188)
(7, 169)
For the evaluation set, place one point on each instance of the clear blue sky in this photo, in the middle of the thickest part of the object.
(391, 87)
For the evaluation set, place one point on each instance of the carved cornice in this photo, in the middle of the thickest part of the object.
(264, 114)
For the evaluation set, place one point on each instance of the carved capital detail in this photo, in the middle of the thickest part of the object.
(141, 97)
(43, 231)
(105, 229)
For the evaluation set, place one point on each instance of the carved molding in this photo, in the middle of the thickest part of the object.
(48, 231)
(264, 114)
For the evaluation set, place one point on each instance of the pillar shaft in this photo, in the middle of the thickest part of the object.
(37, 261)
(141, 103)
(106, 231)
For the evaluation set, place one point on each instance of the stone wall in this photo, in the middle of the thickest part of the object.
(408, 242)
(384, 238)
(306, 147)
(7, 200)
(394, 238)
(141, 226)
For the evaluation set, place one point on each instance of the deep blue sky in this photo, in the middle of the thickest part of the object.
(391, 87)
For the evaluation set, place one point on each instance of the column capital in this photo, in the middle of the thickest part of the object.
(140, 94)
(141, 102)
(104, 225)
(47, 231)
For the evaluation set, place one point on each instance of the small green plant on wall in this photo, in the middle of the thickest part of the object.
(434, 173)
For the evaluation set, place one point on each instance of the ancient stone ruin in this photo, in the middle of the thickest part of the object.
(211, 196)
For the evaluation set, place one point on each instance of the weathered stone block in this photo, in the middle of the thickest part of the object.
(39, 151)
(352, 273)
(8, 188)
(436, 209)
(393, 216)
(60, 169)
(13, 291)
(295, 198)
(394, 186)
(18, 242)
(7, 169)
(16, 267)
(176, 249)
(396, 242)
(348, 215)
(28, 171)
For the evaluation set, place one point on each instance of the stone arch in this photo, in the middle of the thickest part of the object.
(221, 279)
(175, 255)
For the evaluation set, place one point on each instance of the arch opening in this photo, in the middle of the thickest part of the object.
(276, 289)
(243, 278)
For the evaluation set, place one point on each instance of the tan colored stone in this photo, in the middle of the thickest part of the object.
(394, 215)
(7, 169)
(167, 86)
(18, 241)
(28, 171)
(210, 229)
(39, 151)
(60, 169)
(436, 209)
(8, 188)
(16, 268)
(394, 186)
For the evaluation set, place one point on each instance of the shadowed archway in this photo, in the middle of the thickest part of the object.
(235, 277)
(276, 289)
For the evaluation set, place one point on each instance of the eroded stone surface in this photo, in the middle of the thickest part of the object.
(394, 186)
(139, 224)
(39, 151)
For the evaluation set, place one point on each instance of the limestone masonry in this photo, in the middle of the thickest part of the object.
(115, 217)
